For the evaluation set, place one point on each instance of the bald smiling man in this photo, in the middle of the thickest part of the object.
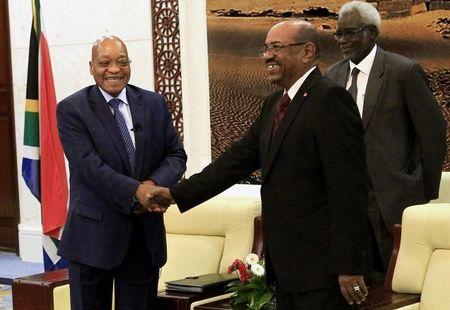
(308, 143)
(119, 141)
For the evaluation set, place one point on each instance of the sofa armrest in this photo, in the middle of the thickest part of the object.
(36, 291)
(381, 296)
(257, 247)
(394, 255)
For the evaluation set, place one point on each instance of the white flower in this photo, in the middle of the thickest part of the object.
(257, 269)
(251, 259)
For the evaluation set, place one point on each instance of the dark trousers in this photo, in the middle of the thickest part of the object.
(381, 240)
(378, 246)
(323, 299)
(135, 281)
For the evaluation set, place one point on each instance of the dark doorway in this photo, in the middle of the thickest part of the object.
(9, 206)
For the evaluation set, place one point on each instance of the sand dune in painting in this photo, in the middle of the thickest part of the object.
(238, 83)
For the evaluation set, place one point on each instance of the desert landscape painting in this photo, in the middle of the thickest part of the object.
(238, 86)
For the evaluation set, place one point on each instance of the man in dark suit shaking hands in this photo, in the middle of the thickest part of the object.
(404, 128)
(308, 142)
(119, 141)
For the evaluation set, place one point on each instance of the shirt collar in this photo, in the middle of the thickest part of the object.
(296, 86)
(122, 96)
(366, 64)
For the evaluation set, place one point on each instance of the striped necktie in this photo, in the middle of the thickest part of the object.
(281, 110)
(114, 103)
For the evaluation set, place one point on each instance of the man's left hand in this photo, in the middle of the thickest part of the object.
(353, 288)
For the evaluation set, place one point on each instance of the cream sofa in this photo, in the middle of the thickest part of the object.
(203, 240)
(208, 238)
(444, 189)
(423, 262)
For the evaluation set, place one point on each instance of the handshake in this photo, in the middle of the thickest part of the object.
(152, 198)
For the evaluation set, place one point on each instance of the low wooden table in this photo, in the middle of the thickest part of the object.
(172, 300)
(36, 292)
(223, 304)
(379, 298)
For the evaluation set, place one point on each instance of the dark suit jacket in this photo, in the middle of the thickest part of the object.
(102, 187)
(404, 132)
(314, 185)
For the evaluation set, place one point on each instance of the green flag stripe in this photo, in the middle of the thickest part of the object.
(32, 77)
(37, 17)
(31, 134)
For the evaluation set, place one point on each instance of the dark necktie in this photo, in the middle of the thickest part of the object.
(281, 110)
(114, 103)
(353, 90)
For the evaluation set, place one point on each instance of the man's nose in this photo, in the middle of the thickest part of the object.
(114, 67)
(268, 55)
(342, 39)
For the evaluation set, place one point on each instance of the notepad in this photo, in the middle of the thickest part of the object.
(201, 283)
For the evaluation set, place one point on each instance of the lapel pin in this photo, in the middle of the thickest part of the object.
(305, 94)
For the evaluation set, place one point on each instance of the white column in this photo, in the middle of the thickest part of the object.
(195, 84)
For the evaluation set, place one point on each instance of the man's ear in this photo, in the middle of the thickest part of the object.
(309, 52)
(373, 32)
(91, 69)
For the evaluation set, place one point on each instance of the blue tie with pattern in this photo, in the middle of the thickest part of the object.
(114, 103)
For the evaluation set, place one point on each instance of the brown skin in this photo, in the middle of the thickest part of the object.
(111, 71)
(290, 63)
(357, 46)
(142, 195)
(284, 68)
(113, 78)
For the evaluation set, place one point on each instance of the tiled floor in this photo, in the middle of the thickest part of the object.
(5, 297)
(11, 266)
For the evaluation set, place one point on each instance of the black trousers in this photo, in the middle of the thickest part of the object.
(135, 281)
(381, 240)
(323, 299)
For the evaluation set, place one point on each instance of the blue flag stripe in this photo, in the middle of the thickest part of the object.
(31, 175)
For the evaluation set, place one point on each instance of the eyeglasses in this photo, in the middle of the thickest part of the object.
(349, 32)
(275, 48)
(122, 63)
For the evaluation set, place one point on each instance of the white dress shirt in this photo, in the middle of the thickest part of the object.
(363, 77)
(296, 86)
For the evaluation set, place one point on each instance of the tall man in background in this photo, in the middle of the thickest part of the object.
(404, 128)
(308, 142)
(115, 136)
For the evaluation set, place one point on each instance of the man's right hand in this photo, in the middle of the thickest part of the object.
(353, 288)
(154, 198)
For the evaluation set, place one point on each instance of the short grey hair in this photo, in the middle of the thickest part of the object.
(367, 12)
(102, 39)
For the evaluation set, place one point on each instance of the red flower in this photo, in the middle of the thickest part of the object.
(241, 268)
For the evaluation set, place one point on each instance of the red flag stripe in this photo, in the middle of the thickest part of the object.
(53, 171)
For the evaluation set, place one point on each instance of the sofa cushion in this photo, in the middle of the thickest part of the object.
(61, 297)
(436, 287)
(423, 263)
(207, 238)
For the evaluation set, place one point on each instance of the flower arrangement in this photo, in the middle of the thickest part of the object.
(251, 290)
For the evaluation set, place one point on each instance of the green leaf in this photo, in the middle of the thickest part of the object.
(252, 286)
(252, 295)
(266, 298)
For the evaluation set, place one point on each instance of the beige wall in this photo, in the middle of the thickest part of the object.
(71, 27)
